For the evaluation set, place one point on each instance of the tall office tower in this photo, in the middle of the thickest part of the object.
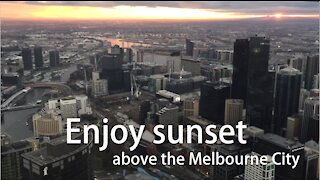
(54, 58)
(189, 47)
(286, 97)
(258, 172)
(272, 143)
(304, 94)
(233, 111)
(212, 101)
(294, 126)
(240, 70)
(129, 55)
(47, 124)
(312, 68)
(252, 82)
(310, 119)
(169, 116)
(59, 160)
(296, 63)
(27, 58)
(111, 69)
(191, 107)
(38, 57)
(315, 84)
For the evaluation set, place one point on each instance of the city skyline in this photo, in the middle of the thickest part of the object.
(173, 10)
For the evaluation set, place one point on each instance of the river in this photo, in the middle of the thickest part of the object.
(14, 122)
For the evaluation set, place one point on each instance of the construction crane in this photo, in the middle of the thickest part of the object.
(135, 88)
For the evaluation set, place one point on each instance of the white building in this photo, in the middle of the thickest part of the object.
(47, 124)
(68, 107)
(258, 172)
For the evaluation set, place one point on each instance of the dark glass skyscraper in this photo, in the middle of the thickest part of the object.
(54, 58)
(252, 81)
(212, 101)
(27, 58)
(189, 47)
(240, 69)
(312, 68)
(38, 58)
(286, 97)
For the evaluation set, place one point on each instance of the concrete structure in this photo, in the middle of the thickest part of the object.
(157, 82)
(233, 111)
(99, 86)
(47, 124)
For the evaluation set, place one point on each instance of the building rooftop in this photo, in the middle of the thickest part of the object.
(281, 141)
(56, 150)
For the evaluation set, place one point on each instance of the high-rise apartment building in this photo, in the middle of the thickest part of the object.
(189, 47)
(38, 57)
(27, 58)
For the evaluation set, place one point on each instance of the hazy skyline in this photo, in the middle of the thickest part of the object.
(140, 10)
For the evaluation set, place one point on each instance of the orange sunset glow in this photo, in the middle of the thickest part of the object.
(29, 11)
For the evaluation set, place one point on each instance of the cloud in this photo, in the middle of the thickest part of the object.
(258, 7)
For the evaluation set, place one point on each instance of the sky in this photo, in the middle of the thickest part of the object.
(153, 10)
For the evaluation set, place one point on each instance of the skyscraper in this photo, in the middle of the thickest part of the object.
(38, 57)
(233, 111)
(240, 70)
(252, 81)
(304, 94)
(286, 97)
(27, 58)
(312, 68)
(189, 47)
(310, 114)
(54, 58)
(212, 101)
